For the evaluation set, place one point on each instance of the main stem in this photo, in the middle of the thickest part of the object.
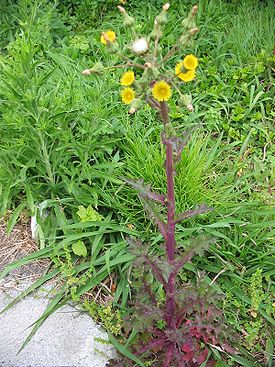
(170, 242)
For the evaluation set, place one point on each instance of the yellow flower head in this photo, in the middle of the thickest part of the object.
(127, 78)
(190, 62)
(127, 95)
(161, 91)
(110, 35)
(183, 74)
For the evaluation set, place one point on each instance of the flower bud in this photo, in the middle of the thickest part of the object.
(188, 23)
(186, 101)
(86, 72)
(113, 47)
(140, 46)
(162, 18)
(156, 33)
(166, 6)
(121, 9)
(193, 31)
(135, 105)
(194, 10)
(128, 21)
(148, 65)
(97, 68)
(190, 107)
(159, 50)
(155, 72)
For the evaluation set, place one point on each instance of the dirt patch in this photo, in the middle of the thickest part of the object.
(17, 245)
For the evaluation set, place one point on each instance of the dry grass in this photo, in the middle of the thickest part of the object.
(18, 245)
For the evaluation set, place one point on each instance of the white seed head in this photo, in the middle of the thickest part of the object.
(86, 72)
(166, 6)
(132, 110)
(140, 46)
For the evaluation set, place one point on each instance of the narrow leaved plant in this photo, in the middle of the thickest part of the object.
(188, 324)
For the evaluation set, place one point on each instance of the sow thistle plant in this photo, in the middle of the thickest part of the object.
(180, 330)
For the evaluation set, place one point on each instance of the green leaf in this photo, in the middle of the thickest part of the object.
(269, 352)
(242, 361)
(13, 218)
(88, 214)
(79, 248)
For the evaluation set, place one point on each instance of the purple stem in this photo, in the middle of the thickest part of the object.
(170, 241)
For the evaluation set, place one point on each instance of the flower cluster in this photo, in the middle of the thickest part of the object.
(156, 83)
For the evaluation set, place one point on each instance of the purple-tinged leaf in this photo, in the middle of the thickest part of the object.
(179, 358)
(152, 210)
(186, 258)
(202, 357)
(201, 209)
(156, 343)
(145, 190)
(199, 245)
(155, 270)
(168, 356)
(149, 291)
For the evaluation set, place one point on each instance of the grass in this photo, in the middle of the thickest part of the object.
(67, 140)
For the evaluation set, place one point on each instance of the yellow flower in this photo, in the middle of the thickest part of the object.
(110, 35)
(161, 91)
(185, 75)
(190, 62)
(127, 78)
(127, 95)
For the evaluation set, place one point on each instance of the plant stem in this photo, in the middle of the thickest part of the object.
(170, 186)
(170, 241)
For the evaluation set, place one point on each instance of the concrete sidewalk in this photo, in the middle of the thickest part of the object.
(67, 338)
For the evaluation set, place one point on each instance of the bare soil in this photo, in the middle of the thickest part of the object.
(17, 245)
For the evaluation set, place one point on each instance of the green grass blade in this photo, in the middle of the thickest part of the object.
(30, 289)
(52, 307)
(14, 217)
(124, 350)
(41, 254)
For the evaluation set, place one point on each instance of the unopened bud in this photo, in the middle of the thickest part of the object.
(193, 31)
(166, 6)
(156, 33)
(190, 107)
(195, 10)
(155, 72)
(113, 47)
(135, 105)
(86, 72)
(148, 65)
(161, 18)
(121, 9)
(185, 100)
(128, 21)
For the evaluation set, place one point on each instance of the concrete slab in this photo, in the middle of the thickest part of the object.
(68, 338)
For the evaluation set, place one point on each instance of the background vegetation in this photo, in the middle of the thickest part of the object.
(66, 141)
